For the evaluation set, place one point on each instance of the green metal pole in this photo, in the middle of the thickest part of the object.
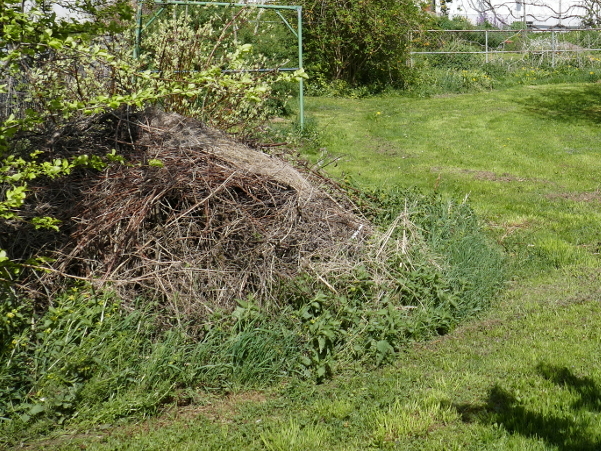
(138, 31)
(301, 97)
(241, 5)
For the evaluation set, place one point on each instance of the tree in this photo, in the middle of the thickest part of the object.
(554, 13)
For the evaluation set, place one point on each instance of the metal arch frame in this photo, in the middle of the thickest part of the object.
(298, 33)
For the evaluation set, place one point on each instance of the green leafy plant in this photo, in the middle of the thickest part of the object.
(212, 78)
(361, 43)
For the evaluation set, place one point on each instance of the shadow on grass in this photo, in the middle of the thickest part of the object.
(569, 432)
(575, 104)
(587, 388)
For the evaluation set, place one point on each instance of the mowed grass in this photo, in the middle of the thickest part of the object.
(526, 374)
(527, 158)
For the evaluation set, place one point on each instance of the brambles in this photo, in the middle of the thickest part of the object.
(209, 222)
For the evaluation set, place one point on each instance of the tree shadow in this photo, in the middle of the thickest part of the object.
(566, 432)
(572, 105)
(586, 387)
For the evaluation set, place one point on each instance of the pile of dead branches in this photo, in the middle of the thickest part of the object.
(194, 220)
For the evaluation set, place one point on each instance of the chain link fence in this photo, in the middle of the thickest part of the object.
(457, 61)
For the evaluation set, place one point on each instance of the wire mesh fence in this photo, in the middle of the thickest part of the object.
(455, 61)
(465, 49)
(14, 101)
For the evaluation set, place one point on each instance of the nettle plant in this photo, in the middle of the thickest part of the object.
(64, 74)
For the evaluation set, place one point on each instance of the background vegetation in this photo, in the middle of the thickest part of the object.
(360, 43)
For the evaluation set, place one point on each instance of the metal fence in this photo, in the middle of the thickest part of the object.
(545, 46)
(449, 50)
(13, 101)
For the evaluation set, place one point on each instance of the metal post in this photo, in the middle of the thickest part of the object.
(138, 31)
(486, 44)
(524, 24)
(410, 40)
(553, 47)
(301, 97)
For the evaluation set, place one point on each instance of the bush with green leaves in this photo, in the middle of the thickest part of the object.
(218, 79)
(362, 42)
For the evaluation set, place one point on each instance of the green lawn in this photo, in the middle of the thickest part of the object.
(526, 375)
(527, 157)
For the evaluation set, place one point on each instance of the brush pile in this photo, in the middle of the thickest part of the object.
(194, 220)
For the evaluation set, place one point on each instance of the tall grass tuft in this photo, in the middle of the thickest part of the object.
(87, 358)
(469, 259)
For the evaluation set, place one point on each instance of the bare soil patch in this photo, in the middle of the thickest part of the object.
(586, 196)
(491, 176)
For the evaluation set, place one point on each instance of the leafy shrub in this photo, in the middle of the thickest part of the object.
(211, 77)
(361, 43)
(454, 23)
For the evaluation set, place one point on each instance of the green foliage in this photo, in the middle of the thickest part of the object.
(319, 85)
(360, 42)
(454, 23)
(210, 77)
(86, 357)
(448, 77)
(464, 68)
(459, 61)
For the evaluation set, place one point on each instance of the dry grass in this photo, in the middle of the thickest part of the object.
(213, 222)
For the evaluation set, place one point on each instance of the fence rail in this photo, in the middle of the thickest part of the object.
(491, 43)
